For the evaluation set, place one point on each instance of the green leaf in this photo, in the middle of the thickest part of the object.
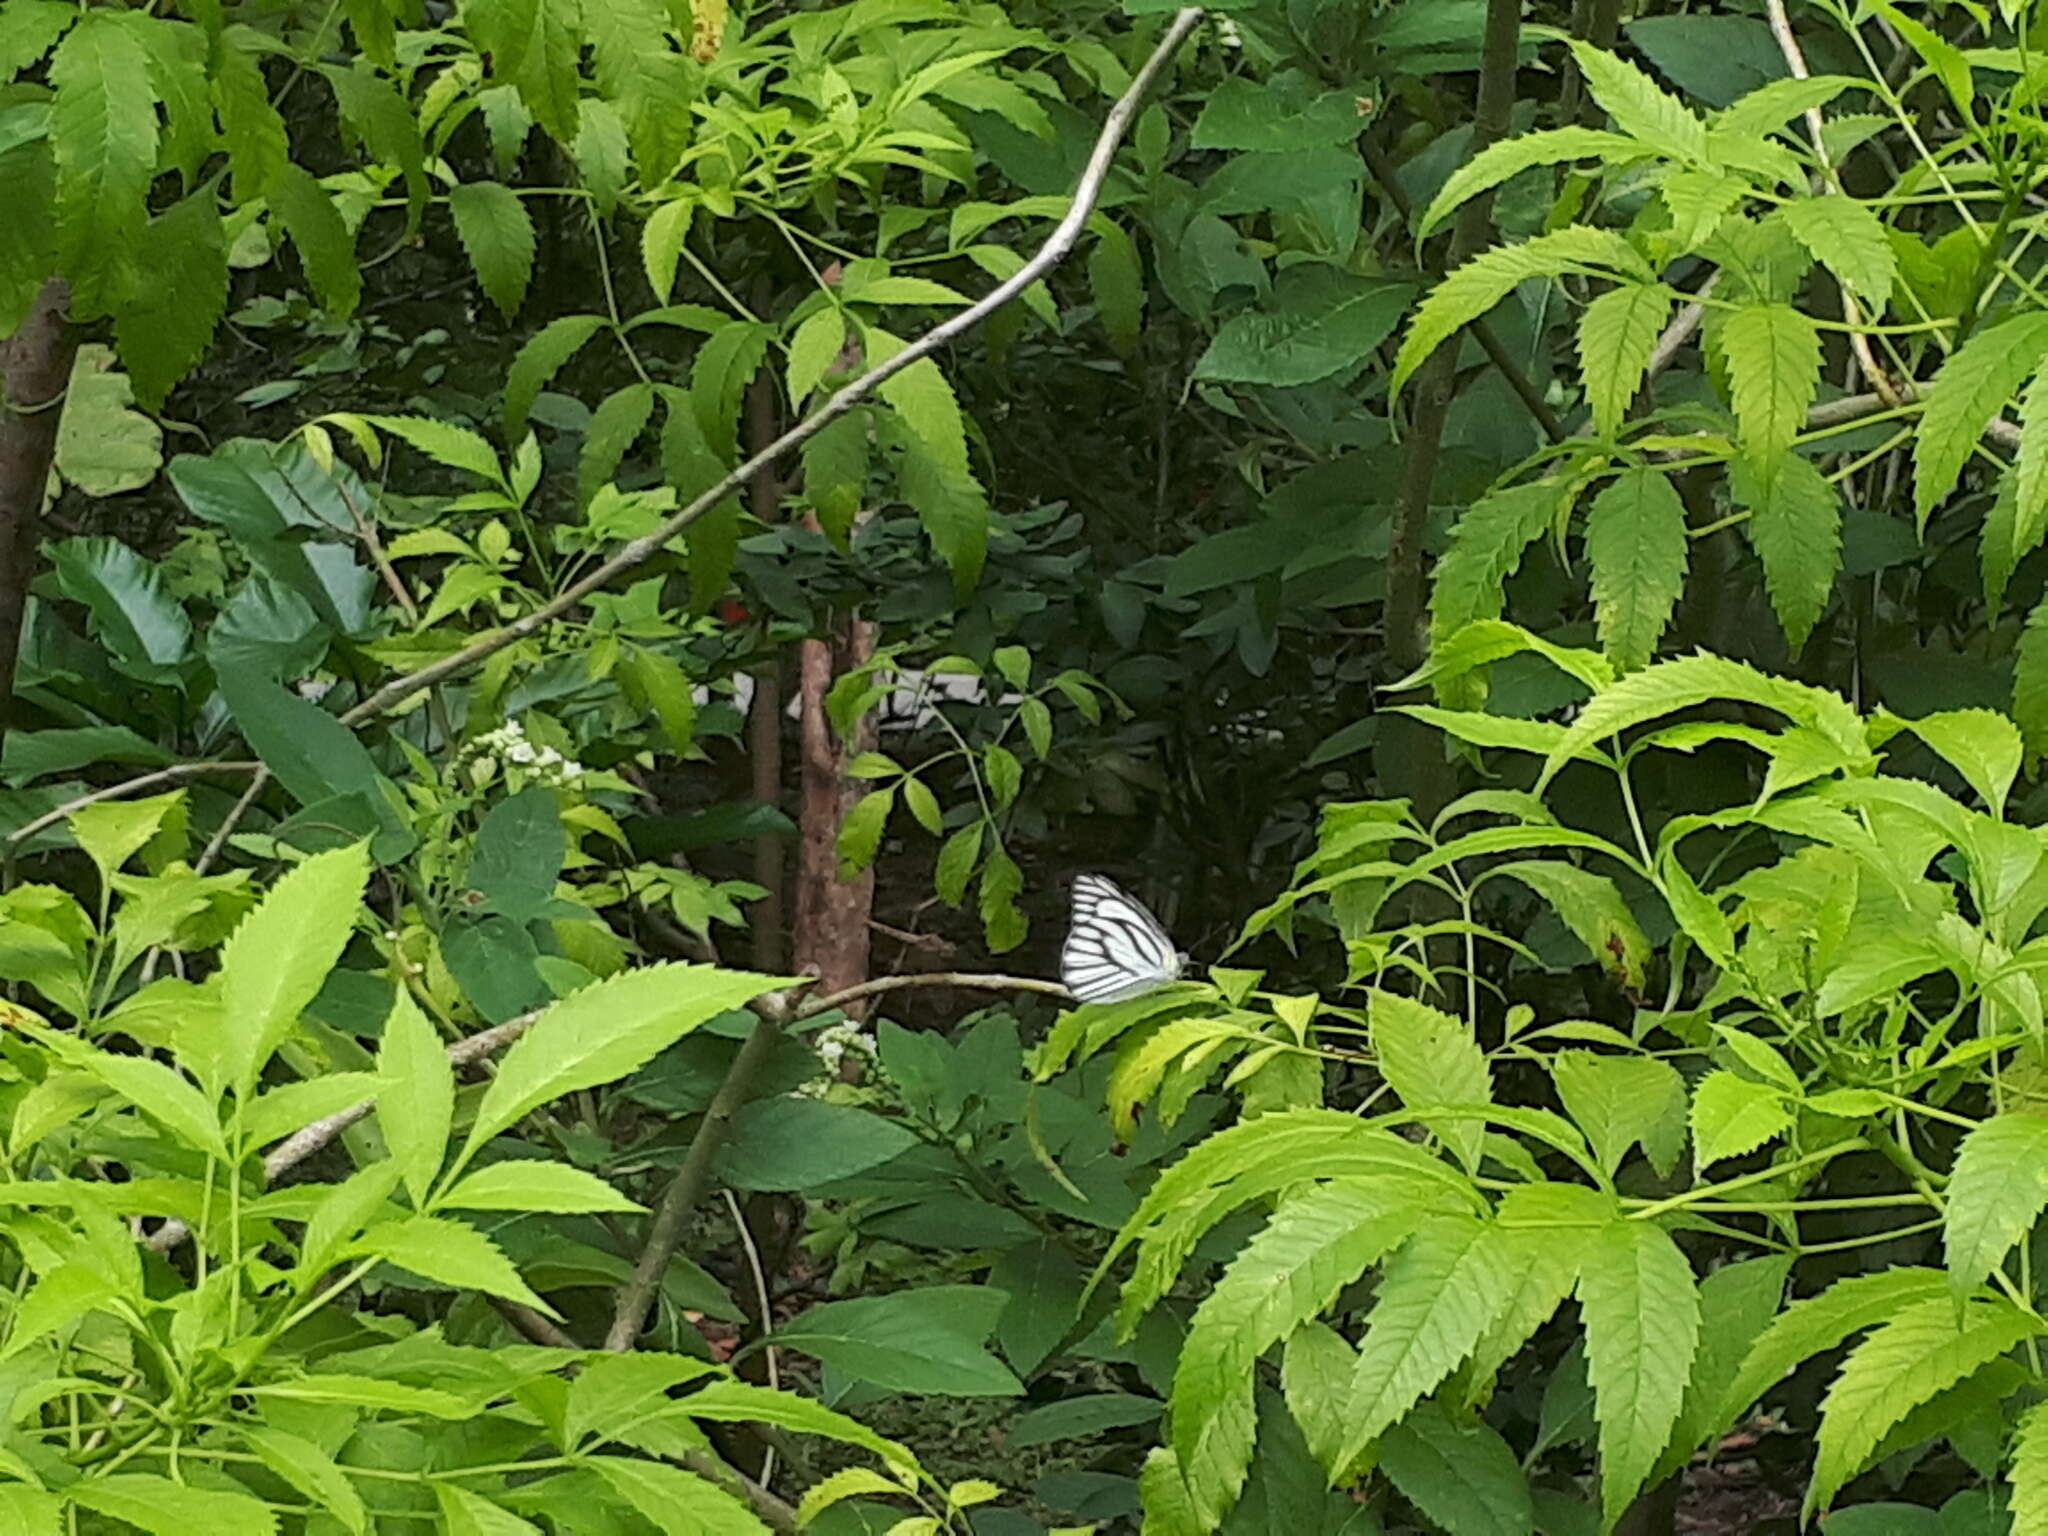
(185, 252)
(165, 1508)
(923, 1340)
(1641, 1312)
(1438, 1296)
(2030, 682)
(58, 1298)
(1116, 279)
(1639, 106)
(451, 1253)
(521, 1184)
(1773, 354)
(1282, 115)
(1636, 540)
(113, 831)
(813, 348)
(1546, 1232)
(416, 1101)
(661, 243)
(1620, 1101)
(1981, 745)
(162, 1094)
(520, 848)
(1593, 908)
(1970, 388)
(669, 1496)
(1462, 1476)
(1795, 523)
(532, 45)
(543, 356)
(471, 1514)
(497, 233)
(104, 129)
(1997, 1192)
(1819, 1323)
(310, 1470)
(1487, 546)
(661, 681)
(258, 147)
(1322, 322)
(1507, 159)
(1732, 1115)
(1844, 236)
(270, 630)
(921, 395)
(279, 955)
(719, 375)
(835, 464)
(1617, 334)
(2029, 1472)
(1076, 1418)
(738, 1402)
(1917, 1354)
(1485, 280)
(607, 1030)
(28, 30)
(792, 1143)
(445, 443)
(1314, 1246)
(2030, 478)
(292, 1106)
(325, 246)
(1431, 1060)
(134, 616)
(957, 860)
(32, 1511)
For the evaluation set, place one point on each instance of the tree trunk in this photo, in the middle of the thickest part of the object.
(768, 922)
(832, 934)
(35, 366)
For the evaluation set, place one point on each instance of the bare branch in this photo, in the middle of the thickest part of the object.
(177, 773)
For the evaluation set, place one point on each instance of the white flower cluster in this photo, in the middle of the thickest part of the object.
(834, 1044)
(1227, 35)
(508, 746)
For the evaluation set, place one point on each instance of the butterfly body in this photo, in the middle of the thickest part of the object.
(1115, 949)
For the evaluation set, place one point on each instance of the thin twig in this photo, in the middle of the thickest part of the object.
(1816, 130)
(1679, 331)
(635, 551)
(233, 819)
(976, 980)
(177, 773)
(769, 1352)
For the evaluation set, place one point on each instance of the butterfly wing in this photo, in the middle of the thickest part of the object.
(1115, 949)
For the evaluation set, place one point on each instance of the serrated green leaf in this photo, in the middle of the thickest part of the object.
(523, 1184)
(452, 1253)
(1845, 237)
(719, 375)
(1507, 159)
(1622, 1101)
(813, 349)
(1487, 545)
(1795, 524)
(104, 129)
(464, 1513)
(668, 1495)
(1116, 279)
(1431, 1060)
(661, 243)
(533, 45)
(1641, 1312)
(258, 147)
(1485, 280)
(835, 464)
(1617, 334)
(605, 1031)
(1311, 1248)
(1981, 745)
(1773, 354)
(28, 30)
(278, 957)
(2028, 1473)
(446, 443)
(1997, 1192)
(543, 356)
(615, 426)
(326, 249)
(957, 860)
(1438, 1295)
(310, 1470)
(416, 1105)
(166, 1508)
(1321, 322)
(2030, 471)
(921, 395)
(1821, 1322)
(2030, 682)
(497, 232)
(1639, 106)
(1636, 541)
(1917, 1354)
(1732, 1115)
(1970, 388)
(1461, 1475)
(1698, 202)
(185, 252)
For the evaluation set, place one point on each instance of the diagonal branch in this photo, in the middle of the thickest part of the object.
(636, 551)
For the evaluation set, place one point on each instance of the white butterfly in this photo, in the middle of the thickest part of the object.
(1115, 949)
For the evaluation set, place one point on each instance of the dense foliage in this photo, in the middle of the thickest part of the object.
(1521, 534)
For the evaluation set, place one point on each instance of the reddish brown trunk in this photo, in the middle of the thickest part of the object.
(831, 914)
(35, 365)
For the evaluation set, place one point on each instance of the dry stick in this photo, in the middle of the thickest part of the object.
(635, 551)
